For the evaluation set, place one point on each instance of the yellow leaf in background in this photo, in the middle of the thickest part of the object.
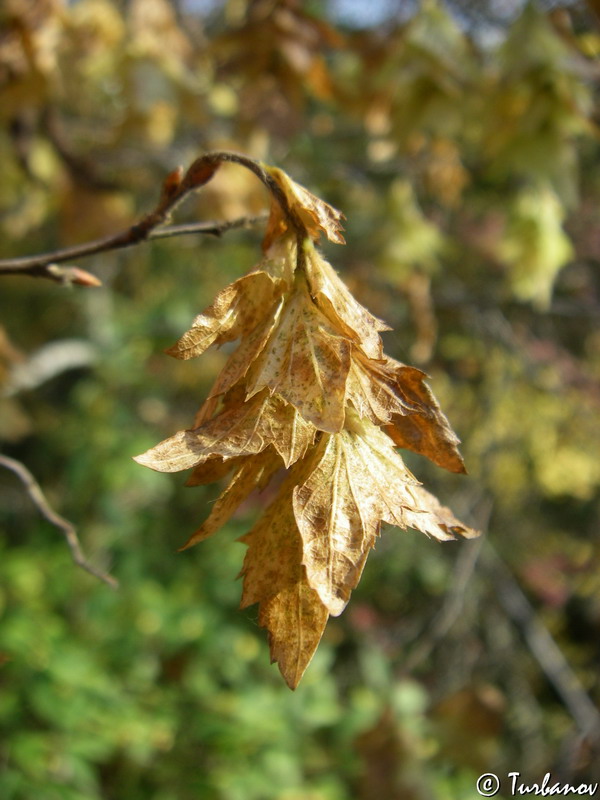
(535, 246)
(412, 239)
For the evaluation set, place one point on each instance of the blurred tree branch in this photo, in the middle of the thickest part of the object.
(38, 497)
(46, 265)
(176, 187)
(542, 645)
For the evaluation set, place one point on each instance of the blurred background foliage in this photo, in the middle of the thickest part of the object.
(461, 140)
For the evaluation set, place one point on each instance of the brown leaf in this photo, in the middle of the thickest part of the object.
(306, 362)
(427, 431)
(374, 390)
(316, 215)
(432, 518)
(244, 430)
(340, 307)
(211, 470)
(274, 577)
(295, 618)
(358, 481)
(389, 392)
(236, 311)
(240, 360)
(279, 260)
(253, 473)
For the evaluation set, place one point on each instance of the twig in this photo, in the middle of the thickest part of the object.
(45, 265)
(454, 601)
(212, 228)
(176, 187)
(36, 494)
(542, 645)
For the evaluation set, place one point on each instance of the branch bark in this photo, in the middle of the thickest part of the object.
(38, 497)
(177, 185)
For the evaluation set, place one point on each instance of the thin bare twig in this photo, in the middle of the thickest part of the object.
(212, 228)
(45, 265)
(36, 494)
(177, 185)
(543, 646)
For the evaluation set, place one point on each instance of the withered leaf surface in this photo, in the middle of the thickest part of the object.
(236, 311)
(295, 618)
(358, 481)
(428, 431)
(306, 362)
(240, 431)
(279, 260)
(274, 576)
(317, 215)
(308, 388)
(243, 357)
(211, 470)
(340, 307)
(375, 393)
(252, 473)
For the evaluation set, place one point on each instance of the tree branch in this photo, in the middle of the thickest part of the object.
(36, 494)
(46, 265)
(176, 187)
(543, 646)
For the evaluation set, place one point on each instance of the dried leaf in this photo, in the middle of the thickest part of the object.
(317, 215)
(244, 430)
(253, 473)
(279, 260)
(236, 311)
(248, 351)
(340, 307)
(296, 620)
(211, 470)
(306, 362)
(358, 481)
(308, 388)
(426, 432)
(389, 392)
(374, 391)
(274, 577)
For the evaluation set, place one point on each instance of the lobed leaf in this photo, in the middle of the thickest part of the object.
(253, 473)
(358, 481)
(427, 431)
(341, 308)
(315, 214)
(306, 362)
(236, 311)
(244, 430)
(274, 577)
